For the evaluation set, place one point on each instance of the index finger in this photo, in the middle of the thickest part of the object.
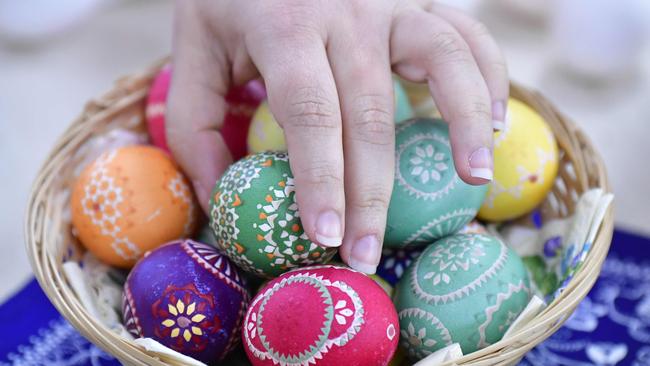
(196, 105)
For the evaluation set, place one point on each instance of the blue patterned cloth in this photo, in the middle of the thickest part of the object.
(610, 327)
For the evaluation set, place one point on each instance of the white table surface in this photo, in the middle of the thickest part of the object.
(43, 87)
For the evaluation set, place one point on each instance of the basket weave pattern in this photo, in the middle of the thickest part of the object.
(48, 232)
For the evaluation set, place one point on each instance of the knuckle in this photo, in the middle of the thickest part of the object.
(479, 30)
(372, 120)
(290, 21)
(373, 199)
(475, 111)
(499, 67)
(448, 47)
(321, 173)
(309, 108)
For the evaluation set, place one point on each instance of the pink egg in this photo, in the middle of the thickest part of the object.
(157, 106)
(242, 103)
(321, 315)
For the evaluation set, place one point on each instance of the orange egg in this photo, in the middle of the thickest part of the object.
(131, 200)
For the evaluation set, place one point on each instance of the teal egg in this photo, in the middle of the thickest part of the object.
(429, 199)
(466, 289)
(403, 109)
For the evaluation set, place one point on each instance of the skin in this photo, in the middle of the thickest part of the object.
(327, 68)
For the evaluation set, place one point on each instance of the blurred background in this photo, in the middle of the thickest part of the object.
(591, 58)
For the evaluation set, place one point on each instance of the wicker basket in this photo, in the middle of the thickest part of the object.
(48, 233)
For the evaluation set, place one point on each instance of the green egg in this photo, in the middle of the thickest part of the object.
(466, 289)
(255, 217)
(429, 199)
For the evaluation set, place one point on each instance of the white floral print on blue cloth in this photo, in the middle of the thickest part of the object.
(612, 325)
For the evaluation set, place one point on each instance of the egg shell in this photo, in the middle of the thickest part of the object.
(156, 107)
(321, 315)
(188, 297)
(429, 199)
(395, 261)
(265, 134)
(466, 289)
(241, 100)
(525, 165)
(256, 220)
(130, 200)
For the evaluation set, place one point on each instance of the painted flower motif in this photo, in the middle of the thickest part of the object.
(184, 320)
(458, 256)
(342, 312)
(415, 340)
(427, 164)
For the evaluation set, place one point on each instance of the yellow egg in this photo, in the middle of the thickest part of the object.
(525, 165)
(264, 133)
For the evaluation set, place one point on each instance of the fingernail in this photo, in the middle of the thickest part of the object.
(480, 164)
(328, 229)
(498, 115)
(365, 254)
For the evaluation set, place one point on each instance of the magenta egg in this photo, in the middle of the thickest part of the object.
(321, 315)
(188, 297)
(242, 101)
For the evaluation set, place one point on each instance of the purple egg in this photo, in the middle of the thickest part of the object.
(188, 297)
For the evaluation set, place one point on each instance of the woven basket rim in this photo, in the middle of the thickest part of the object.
(41, 215)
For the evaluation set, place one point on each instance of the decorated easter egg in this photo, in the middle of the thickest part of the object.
(265, 134)
(321, 315)
(131, 200)
(525, 165)
(429, 199)
(156, 107)
(255, 217)
(466, 289)
(395, 261)
(241, 102)
(188, 297)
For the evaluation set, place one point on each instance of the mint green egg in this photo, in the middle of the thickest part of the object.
(429, 199)
(255, 218)
(403, 109)
(466, 289)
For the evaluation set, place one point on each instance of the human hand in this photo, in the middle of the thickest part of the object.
(327, 68)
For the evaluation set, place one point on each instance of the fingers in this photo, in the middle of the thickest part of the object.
(196, 104)
(487, 54)
(424, 47)
(303, 98)
(365, 86)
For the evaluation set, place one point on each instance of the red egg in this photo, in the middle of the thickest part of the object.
(242, 103)
(321, 315)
